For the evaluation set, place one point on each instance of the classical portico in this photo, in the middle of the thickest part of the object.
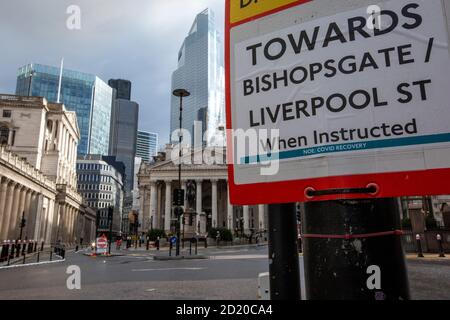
(210, 208)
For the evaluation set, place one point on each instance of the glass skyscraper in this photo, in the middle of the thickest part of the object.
(86, 94)
(201, 72)
(147, 145)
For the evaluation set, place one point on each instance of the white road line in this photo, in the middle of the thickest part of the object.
(238, 257)
(31, 264)
(167, 269)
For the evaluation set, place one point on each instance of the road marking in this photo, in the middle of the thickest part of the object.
(150, 290)
(237, 257)
(32, 264)
(167, 269)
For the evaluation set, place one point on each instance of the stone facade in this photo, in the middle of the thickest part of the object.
(38, 173)
(100, 182)
(210, 207)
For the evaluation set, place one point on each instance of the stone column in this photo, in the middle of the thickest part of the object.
(198, 203)
(153, 199)
(13, 231)
(32, 220)
(168, 208)
(72, 224)
(65, 221)
(261, 215)
(246, 219)
(3, 190)
(76, 231)
(6, 212)
(39, 218)
(141, 208)
(214, 210)
(49, 220)
(230, 217)
(18, 215)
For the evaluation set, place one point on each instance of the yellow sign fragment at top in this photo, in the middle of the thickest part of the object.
(244, 9)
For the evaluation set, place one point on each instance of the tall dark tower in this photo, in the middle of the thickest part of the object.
(122, 87)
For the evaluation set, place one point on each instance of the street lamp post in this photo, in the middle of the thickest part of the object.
(181, 93)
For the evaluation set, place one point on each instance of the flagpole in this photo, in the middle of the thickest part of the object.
(60, 81)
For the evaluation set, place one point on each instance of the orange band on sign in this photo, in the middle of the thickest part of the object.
(243, 10)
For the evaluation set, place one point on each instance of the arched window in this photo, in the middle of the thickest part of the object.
(4, 135)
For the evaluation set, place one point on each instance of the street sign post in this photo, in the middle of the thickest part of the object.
(102, 245)
(342, 105)
(336, 100)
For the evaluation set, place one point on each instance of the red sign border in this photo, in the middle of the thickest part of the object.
(393, 184)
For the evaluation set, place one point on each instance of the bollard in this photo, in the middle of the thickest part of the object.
(35, 246)
(157, 244)
(42, 246)
(206, 243)
(51, 254)
(18, 248)
(419, 247)
(190, 247)
(13, 246)
(37, 260)
(148, 245)
(170, 249)
(24, 258)
(3, 253)
(441, 247)
(196, 246)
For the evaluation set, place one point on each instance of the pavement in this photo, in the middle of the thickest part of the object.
(230, 273)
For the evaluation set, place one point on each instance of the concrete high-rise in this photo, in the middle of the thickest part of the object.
(122, 87)
(200, 71)
(124, 127)
(83, 93)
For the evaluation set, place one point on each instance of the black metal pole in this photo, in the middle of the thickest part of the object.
(346, 242)
(283, 253)
(180, 139)
(110, 215)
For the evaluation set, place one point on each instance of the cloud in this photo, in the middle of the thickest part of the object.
(135, 39)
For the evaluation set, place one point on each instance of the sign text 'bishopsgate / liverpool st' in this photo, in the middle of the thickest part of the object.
(305, 42)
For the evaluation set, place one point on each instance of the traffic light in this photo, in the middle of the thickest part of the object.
(178, 211)
(178, 197)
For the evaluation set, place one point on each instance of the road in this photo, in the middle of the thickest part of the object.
(230, 274)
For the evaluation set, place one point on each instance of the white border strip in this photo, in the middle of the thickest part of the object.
(32, 264)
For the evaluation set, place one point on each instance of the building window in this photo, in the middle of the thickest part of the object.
(4, 135)
(6, 113)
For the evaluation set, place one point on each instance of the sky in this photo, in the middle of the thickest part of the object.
(137, 40)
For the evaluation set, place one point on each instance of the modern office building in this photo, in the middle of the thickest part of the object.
(123, 135)
(147, 145)
(122, 87)
(201, 72)
(100, 183)
(85, 94)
